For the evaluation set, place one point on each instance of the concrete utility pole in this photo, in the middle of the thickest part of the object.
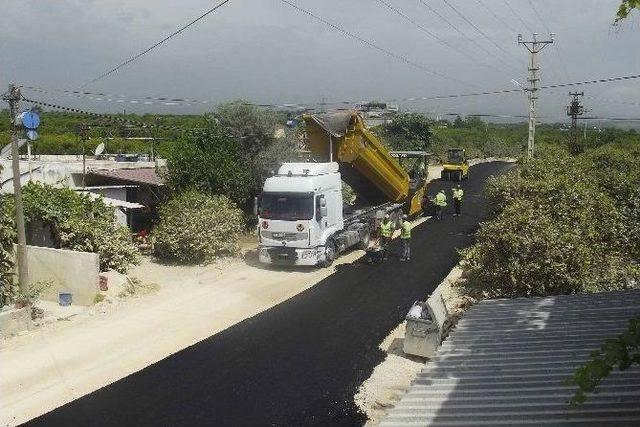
(534, 47)
(574, 109)
(23, 274)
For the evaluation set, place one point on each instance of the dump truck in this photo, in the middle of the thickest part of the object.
(456, 168)
(302, 218)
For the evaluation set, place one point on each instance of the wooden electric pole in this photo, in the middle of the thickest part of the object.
(23, 275)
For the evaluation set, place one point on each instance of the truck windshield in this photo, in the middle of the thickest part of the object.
(286, 206)
(455, 156)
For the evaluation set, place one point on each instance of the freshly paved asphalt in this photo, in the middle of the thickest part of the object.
(300, 362)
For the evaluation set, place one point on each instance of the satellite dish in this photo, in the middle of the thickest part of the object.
(32, 134)
(6, 150)
(99, 149)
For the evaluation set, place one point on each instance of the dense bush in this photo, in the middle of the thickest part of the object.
(7, 237)
(561, 224)
(195, 227)
(81, 223)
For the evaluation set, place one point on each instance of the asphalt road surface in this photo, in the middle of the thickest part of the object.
(300, 362)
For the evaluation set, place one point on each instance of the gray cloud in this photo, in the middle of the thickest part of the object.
(265, 51)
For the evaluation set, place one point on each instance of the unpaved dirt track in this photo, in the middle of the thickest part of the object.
(300, 362)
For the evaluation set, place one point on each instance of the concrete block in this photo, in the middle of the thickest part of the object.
(15, 320)
(438, 310)
(116, 283)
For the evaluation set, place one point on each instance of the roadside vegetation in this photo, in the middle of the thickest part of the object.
(77, 222)
(561, 224)
(196, 227)
(7, 237)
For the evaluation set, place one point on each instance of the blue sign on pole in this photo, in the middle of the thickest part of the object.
(30, 119)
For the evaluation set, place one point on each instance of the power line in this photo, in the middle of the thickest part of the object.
(517, 16)
(502, 21)
(439, 15)
(557, 48)
(147, 50)
(420, 27)
(479, 31)
(373, 45)
(352, 102)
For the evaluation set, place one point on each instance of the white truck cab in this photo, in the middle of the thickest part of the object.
(300, 215)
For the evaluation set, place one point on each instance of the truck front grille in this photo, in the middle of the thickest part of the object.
(287, 237)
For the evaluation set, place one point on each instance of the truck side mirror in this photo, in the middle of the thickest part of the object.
(323, 211)
(323, 202)
(255, 206)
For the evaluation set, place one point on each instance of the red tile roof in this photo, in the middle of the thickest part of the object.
(146, 176)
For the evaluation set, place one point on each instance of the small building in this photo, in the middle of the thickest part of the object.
(137, 192)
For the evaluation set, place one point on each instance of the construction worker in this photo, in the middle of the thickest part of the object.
(441, 202)
(457, 199)
(386, 231)
(405, 238)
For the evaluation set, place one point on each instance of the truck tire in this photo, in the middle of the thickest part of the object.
(330, 254)
(459, 176)
(364, 239)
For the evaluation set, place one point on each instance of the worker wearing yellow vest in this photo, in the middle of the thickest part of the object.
(386, 232)
(405, 238)
(441, 202)
(457, 199)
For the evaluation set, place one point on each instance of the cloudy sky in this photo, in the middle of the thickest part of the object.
(266, 51)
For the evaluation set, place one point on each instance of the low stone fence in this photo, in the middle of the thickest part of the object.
(68, 271)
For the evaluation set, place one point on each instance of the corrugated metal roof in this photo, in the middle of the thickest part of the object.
(506, 361)
(147, 176)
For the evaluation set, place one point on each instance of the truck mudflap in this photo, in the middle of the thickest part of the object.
(290, 256)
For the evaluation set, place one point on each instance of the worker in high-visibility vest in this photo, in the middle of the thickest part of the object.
(457, 199)
(386, 232)
(405, 238)
(441, 202)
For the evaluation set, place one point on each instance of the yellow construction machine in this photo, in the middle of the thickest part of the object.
(456, 168)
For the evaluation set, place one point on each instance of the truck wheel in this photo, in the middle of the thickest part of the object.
(330, 253)
(459, 176)
(364, 240)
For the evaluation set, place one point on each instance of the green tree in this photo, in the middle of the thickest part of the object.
(80, 223)
(458, 122)
(622, 351)
(252, 127)
(625, 8)
(209, 159)
(408, 131)
(7, 238)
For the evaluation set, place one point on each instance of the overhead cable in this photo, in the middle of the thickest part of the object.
(465, 36)
(517, 16)
(147, 50)
(501, 20)
(479, 31)
(352, 102)
(373, 45)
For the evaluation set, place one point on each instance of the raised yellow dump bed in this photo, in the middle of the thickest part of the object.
(365, 163)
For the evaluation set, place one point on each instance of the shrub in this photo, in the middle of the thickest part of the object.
(195, 228)
(560, 224)
(7, 237)
(81, 223)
